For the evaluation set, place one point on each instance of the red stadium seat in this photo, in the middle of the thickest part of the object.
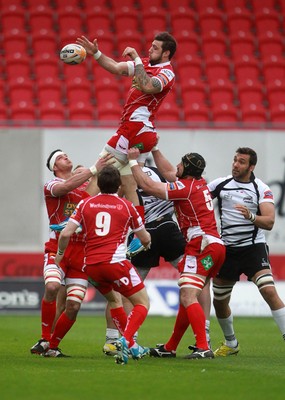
(13, 16)
(267, 19)
(183, 18)
(40, 17)
(110, 111)
(22, 111)
(15, 41)
(81, 111)
(189, 67)
(276, 92)
(106, 89)
(239, 19)
(46, 65)
(52, 112)
(49, 89)
(250, 92)
(221, 91)
(196, 112)
(217, 67)
(21, 88)
(213, 42)
(18, 64)
(154, 20)
(68, 36)
(273, 68)
(106, 40)
(129, 38)
(270, 44)
(245, 68)
(69, 17)
(188, 43)
(277, 113)
(224, 112)
(97, 18)
(194, 91)
(168, 111)
(253, 113)
(211, 19)
(242, 43)
(126, 18)
(71, 72)
(78, 89)
(45, 40)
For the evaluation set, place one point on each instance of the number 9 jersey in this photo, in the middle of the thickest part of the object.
(106, 219)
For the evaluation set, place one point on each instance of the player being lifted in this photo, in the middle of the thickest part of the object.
(153, 78)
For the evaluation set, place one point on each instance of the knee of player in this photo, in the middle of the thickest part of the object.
(75, 295)
(222, 292)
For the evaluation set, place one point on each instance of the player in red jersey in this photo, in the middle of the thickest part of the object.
(106, 219)
(204, 252)
(62, 194)
(153, 78)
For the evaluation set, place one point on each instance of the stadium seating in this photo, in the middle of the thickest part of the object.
(232, 50)
(196, 112)
(214, 42)
(46, 65)
(49, 89)
(211, 19)
(40, 17)
(22, 111)
(224, 112)
(221, 91)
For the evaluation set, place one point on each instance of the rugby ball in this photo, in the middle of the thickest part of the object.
(72, 54)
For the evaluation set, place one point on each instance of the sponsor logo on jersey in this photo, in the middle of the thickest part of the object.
(248, 199)
(68, 209)
(207, 262)
(168, 73)
(139, 146)
(175, 185)
(180, 185)
(268, 195)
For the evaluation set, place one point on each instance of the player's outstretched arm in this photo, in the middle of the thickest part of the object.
(92, 48)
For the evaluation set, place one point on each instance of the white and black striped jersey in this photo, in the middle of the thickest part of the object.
(235, 229)
(154, 208)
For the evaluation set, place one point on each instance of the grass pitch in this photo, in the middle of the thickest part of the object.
(257, 372)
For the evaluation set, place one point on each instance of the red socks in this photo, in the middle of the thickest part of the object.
(197, 320)
(47, 314)
(119, 317)
(181, 324)
(62, 326)
(128, 326)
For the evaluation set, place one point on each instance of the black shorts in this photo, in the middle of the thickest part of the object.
(246, 260)
(167, 241)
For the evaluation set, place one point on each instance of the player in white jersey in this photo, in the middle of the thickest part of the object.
(153, 78)
(246, 207)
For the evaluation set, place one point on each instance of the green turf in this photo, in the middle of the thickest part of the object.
(258, 372)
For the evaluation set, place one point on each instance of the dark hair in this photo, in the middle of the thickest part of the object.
(252, 154)
(194, 165)
(168, 43)
(49, 158)
(109, 179)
